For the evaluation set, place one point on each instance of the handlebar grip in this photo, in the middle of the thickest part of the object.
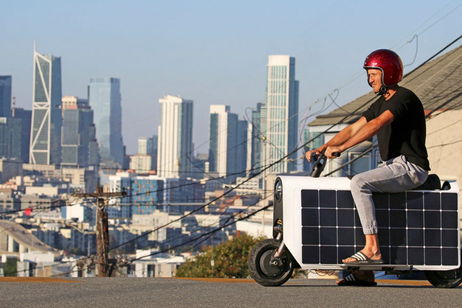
(336, 154)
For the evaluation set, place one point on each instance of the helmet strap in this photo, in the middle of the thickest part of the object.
(383, 90)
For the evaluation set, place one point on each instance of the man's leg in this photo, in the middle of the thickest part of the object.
(393, 176)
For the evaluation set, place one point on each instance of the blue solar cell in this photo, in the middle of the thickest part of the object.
(346, 236)
(415, 237)
(415, 219)
(449, 201)
(328, 254)
(345, 199)
(449, 238)
(398, 255)
(381, 200)
(432, 219)
(310, 198)
(310, 217)
(432, 237)
(327, 198)
(432, 256)
(384, 237)
(432, 201)
(328, 217)
(328, 236)
(416, 255)
(310, 254)
(397, 219)
(383, 217)
(449, 220)
(449, 256)
(345, 217)
(310, 236)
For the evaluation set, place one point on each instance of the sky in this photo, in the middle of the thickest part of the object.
(215, 52)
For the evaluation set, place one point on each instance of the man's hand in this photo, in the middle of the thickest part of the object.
(331, 150)
(309, 154)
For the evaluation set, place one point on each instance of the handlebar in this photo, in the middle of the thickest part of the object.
(320, 163)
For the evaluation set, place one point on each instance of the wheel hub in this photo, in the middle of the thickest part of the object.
(267, 266)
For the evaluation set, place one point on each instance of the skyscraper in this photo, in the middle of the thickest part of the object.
(5, 96)
(105, 100)
(281, 119)
(223, 136)
(175, 151)
(79, 143)
(45, 138)
(10, 138)
(228, 143)
(25, 116)
(255, 144)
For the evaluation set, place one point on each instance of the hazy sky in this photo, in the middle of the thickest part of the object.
(214, 52)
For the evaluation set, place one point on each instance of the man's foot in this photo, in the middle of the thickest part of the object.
(364, 257)
(358, 278)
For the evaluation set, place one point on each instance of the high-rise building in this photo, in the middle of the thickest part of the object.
(223, 136)
(45, 138)
(255, 144)
(5, 96)
(79, 143)
(228, 143)
(10, 138)
(25, 116)
(281, 109)
(105, 100)
(175, 150)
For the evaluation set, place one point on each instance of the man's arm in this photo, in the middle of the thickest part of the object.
(364, 133)
(340, 138)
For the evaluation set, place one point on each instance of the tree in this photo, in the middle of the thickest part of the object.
(226, 260)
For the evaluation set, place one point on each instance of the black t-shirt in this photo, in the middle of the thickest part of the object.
(405, 135)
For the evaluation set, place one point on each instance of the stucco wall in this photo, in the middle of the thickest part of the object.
(444, 145)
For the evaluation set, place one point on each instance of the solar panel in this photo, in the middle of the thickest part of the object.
(415, 227)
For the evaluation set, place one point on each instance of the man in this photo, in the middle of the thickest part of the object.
(397, 118)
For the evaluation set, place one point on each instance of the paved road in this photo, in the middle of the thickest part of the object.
(148, 292)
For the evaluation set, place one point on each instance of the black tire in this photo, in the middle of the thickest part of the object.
(445, 279)
(265, 273)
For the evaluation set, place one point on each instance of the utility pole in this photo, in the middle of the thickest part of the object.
(102, 231)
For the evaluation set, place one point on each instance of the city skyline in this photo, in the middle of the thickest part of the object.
(220, 64)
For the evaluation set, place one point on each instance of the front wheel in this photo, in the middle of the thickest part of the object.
(263, 271)
(445, 279)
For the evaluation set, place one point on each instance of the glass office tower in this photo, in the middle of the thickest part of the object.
(105, 100)
(5, 96)
(281, 119)
(46, 110)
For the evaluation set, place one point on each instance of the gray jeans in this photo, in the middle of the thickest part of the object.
(392, 176)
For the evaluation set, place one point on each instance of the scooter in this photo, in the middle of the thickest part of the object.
(316, 225)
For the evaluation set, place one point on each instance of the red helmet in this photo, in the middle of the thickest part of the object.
(389, 63)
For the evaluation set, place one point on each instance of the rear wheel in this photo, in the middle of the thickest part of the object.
(263, 271)
(445, 279)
